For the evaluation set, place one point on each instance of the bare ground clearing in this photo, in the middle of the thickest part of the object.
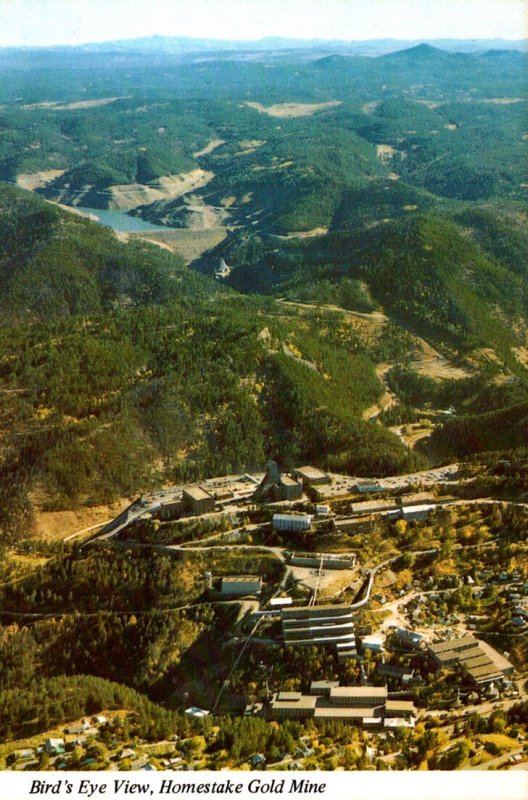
(36, 180)
(57, 525)
(213, 144)
(290, 110)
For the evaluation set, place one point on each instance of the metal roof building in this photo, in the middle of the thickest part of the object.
(291, 522)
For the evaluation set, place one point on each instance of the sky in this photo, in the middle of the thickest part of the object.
(49, 22)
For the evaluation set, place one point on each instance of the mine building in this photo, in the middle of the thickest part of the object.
(329, 560)
(291, 522)
(318, 625)
(312, 476)
(241, 585)
(198, 501)
(275, 486)
(482, 663)
(368, 706)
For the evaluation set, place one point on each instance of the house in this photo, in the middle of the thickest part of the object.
(139, 763)
(24, 755)
(54, 746)
(410, 639)
(171, 762)
(258, 760)
(127, 752)
(196, 712)
(77, 728)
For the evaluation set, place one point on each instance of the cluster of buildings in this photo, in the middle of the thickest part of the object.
(410, 507)
(368, 706)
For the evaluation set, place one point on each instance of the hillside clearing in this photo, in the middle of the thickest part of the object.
(291, 110)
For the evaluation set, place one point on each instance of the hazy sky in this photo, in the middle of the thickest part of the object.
(44, 22)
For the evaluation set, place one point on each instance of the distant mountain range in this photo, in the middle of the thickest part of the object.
(276, 44)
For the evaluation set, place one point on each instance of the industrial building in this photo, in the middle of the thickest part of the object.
(291, 522)
(417, 499)
(241, 585)
(289, 489)
(172, 509)
(198, 500)
(481, 662)
(318, 625)
(417, 513)
(368, 487)
(274, 486)
(374, 506)
(329, 560)
(363, 705)
(410, 639)
(374, 643)
(311, 476)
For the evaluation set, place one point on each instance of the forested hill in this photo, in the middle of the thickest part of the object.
(129, 370)
(55, 264)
